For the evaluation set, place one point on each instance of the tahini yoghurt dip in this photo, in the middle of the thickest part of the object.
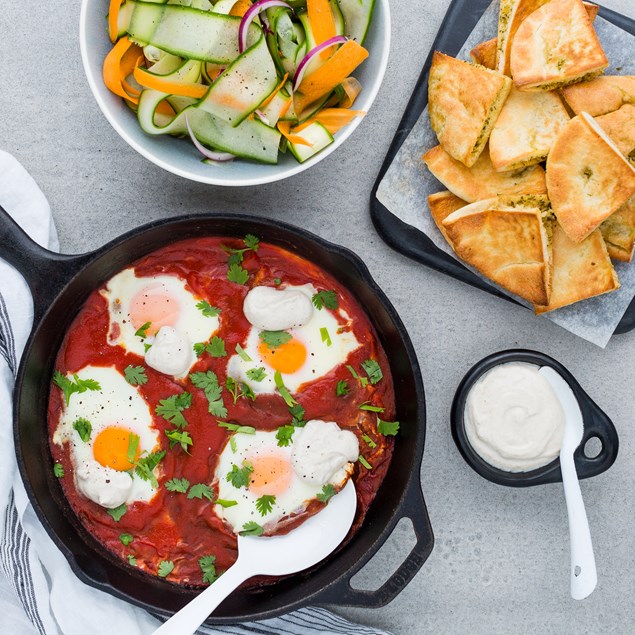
(514, 419)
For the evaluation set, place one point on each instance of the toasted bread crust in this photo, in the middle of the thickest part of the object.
(620, 126)
(600, 95)
(485, 54)
(618, 231)
(441, 205)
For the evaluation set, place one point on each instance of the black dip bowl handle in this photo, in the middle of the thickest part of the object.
(597, 425)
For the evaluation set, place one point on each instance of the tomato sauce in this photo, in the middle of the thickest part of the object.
(171, 526)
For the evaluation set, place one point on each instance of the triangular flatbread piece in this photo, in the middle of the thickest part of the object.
(620, 127)
(580, 270)
(463, 103)
(526, 128)
(482, 181)
(618, 231)
(556, 46)
(485, 54)
(441, 205)
(507, 240)
(600, 95)
(588, 179)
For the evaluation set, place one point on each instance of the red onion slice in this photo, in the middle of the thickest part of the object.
(261, 115)
(214, 156)
(299, 74)
(249, 16)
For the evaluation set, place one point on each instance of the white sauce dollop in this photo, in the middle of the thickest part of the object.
(171, 352)
(321, 449)
(102, 485)
(514, 419)
(270, 309)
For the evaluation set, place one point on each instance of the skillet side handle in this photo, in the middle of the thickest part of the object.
(596, 425)
(343, 594)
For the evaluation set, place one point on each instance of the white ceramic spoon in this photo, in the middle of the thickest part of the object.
(583, 572)
(300, 549)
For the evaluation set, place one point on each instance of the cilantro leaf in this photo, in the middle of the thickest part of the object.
(84, 428)
(132, 561)
(199, 490)
(135, 375)
(373, 370)
(208, 383)
(180, 437)
(207, 564)
(240, 351)
(207, 309)
(275, 339)
(177, 485)
(257, 374)
(252, 242)
(326, 299)
(216, 347)
(133, 446)
(165, 568)
(117, 512)
(365, 463)
(368, 406)
(171, 409)
(342, 388)
(234, 427)
(328, 491)
(142, 331)
(252, 528)
(265, 504)
(369, 442)
(297, 411)
(326, 338)
(240, 477)
(238, 389)
(126, 539)
(71, 386)
(284, 435)
(199, 348)
(145, 467)
(282, 389)
(237, 274)
(225, 503)
(58, 470)
(387, 428)
(362, 380)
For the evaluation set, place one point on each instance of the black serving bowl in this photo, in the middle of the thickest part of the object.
(597, 425)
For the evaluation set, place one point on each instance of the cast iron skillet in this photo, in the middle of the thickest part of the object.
(61, 283)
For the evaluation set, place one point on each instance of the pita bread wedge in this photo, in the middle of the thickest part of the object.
(600, 95)
(588, 179)
(580, 270)
(463, 103)
(526, 128)
(482, 181)
(485, 54)
(620, 127)
(618, 231)
(556, 46)
(441, 205)
(507, 240)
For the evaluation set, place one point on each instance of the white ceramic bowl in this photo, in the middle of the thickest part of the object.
(182, 158)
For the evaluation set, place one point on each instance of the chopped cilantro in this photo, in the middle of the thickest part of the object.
(199, 348)
(216, 347)
(275, 339)
(133, 446)
(207, 309)
(387, 428)
(252, 528)
(326, 299)
(144, 468)
(240, 351)
(208, 567)
(237, 274)
(132, 561)
(75, 385)
(165, 568)
(58, 470)
(265, 504)
(135, 375)
(239, 477)
(368, 406)
(362, 380)
(199, 490)
(142, 331)
(328, 491)
(180, 485)
(252, 242)
(373, 370)
(257, 374)
(277, 282)
(282, 389)
(171, 409)
(297, 412)
(326, 338)
(369, 442)
(234, 427)
(126, 539)
(342, 388)
(225, 503)
(208, 382)
(239, 389)
(365, 463)
(83, 428)
(180, 437)
(117, 512)
(284, 435)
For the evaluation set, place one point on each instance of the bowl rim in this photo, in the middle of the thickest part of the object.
(94, 77)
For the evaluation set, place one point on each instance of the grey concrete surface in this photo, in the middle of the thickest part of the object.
(501, 560)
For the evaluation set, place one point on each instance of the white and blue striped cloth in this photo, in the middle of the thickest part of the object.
(38, 591)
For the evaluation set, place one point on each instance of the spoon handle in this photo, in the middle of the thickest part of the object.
(583, 572)
(190, 617)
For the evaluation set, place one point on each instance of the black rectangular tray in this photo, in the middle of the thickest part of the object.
(459, 21)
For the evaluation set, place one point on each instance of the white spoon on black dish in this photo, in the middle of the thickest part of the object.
(300, 549)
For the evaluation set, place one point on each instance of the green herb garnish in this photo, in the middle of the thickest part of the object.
(133, 446)
(126, 539)
(257, 374)
(199, 490)
(369, 442)
(135, 375)
(368, 406)
(240, 351)
(275, 339)
(373, 370)
(240, 477)
(284, 435)
(365, 463)
(216, 347)
(207, 564)
(252, 529)
(117, 512)
(75, 385)
(326, 299)
(234, 427)
(180, 485)
(362, 380)
(144, 468)
(326, 338)
(58, 470)
(171, 409)
(142, 331)
(387, 428)
(165, 568)
(237, 274)
(328, 491)
(207, 309)
(208, 382)
(83, 428)
(282, 389)
(265, 504)
(179, 437)
(342, 388)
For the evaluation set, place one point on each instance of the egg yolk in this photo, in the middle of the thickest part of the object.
(287, 358)
(154, 305)
(272, 475)
(110, 448)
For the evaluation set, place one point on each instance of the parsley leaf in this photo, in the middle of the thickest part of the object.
(265, 504)
(257, 374)
(207, 564)
(199, 348)
(365, 463)
(145, 467)
(133, 446)
(275, 339)
(171, 409)
(297, 411)
(177, 485)
(58, 470)
(207, 309)
(240, 477)
(240, 351)
(326, 338)
(180, 437)
(369, 441)
(225, 503)
(342, 388)
(199, 490)
(284, 435)
(234, 427)
(135, 375)
(326, 299)
(328, 491)
(71, 386)
(142, 331)
(252, 529)
(126, 539)
(216, 347)
(237, 274)
(117, 512)
(362, 380)
(282, 389)
(368, 406)
(208, 382)
(165, 568)
(83, 428)
(132, 561)
(373, 370)
(387, 428)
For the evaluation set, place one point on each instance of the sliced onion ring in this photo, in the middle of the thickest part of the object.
(209, 154)
(261, 115)
(249, 16)
(299, 74)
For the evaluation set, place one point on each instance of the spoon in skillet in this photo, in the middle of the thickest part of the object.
(583, 572)
(300, 549)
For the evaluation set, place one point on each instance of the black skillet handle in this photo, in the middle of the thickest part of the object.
(46, 272)
(343, 594)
